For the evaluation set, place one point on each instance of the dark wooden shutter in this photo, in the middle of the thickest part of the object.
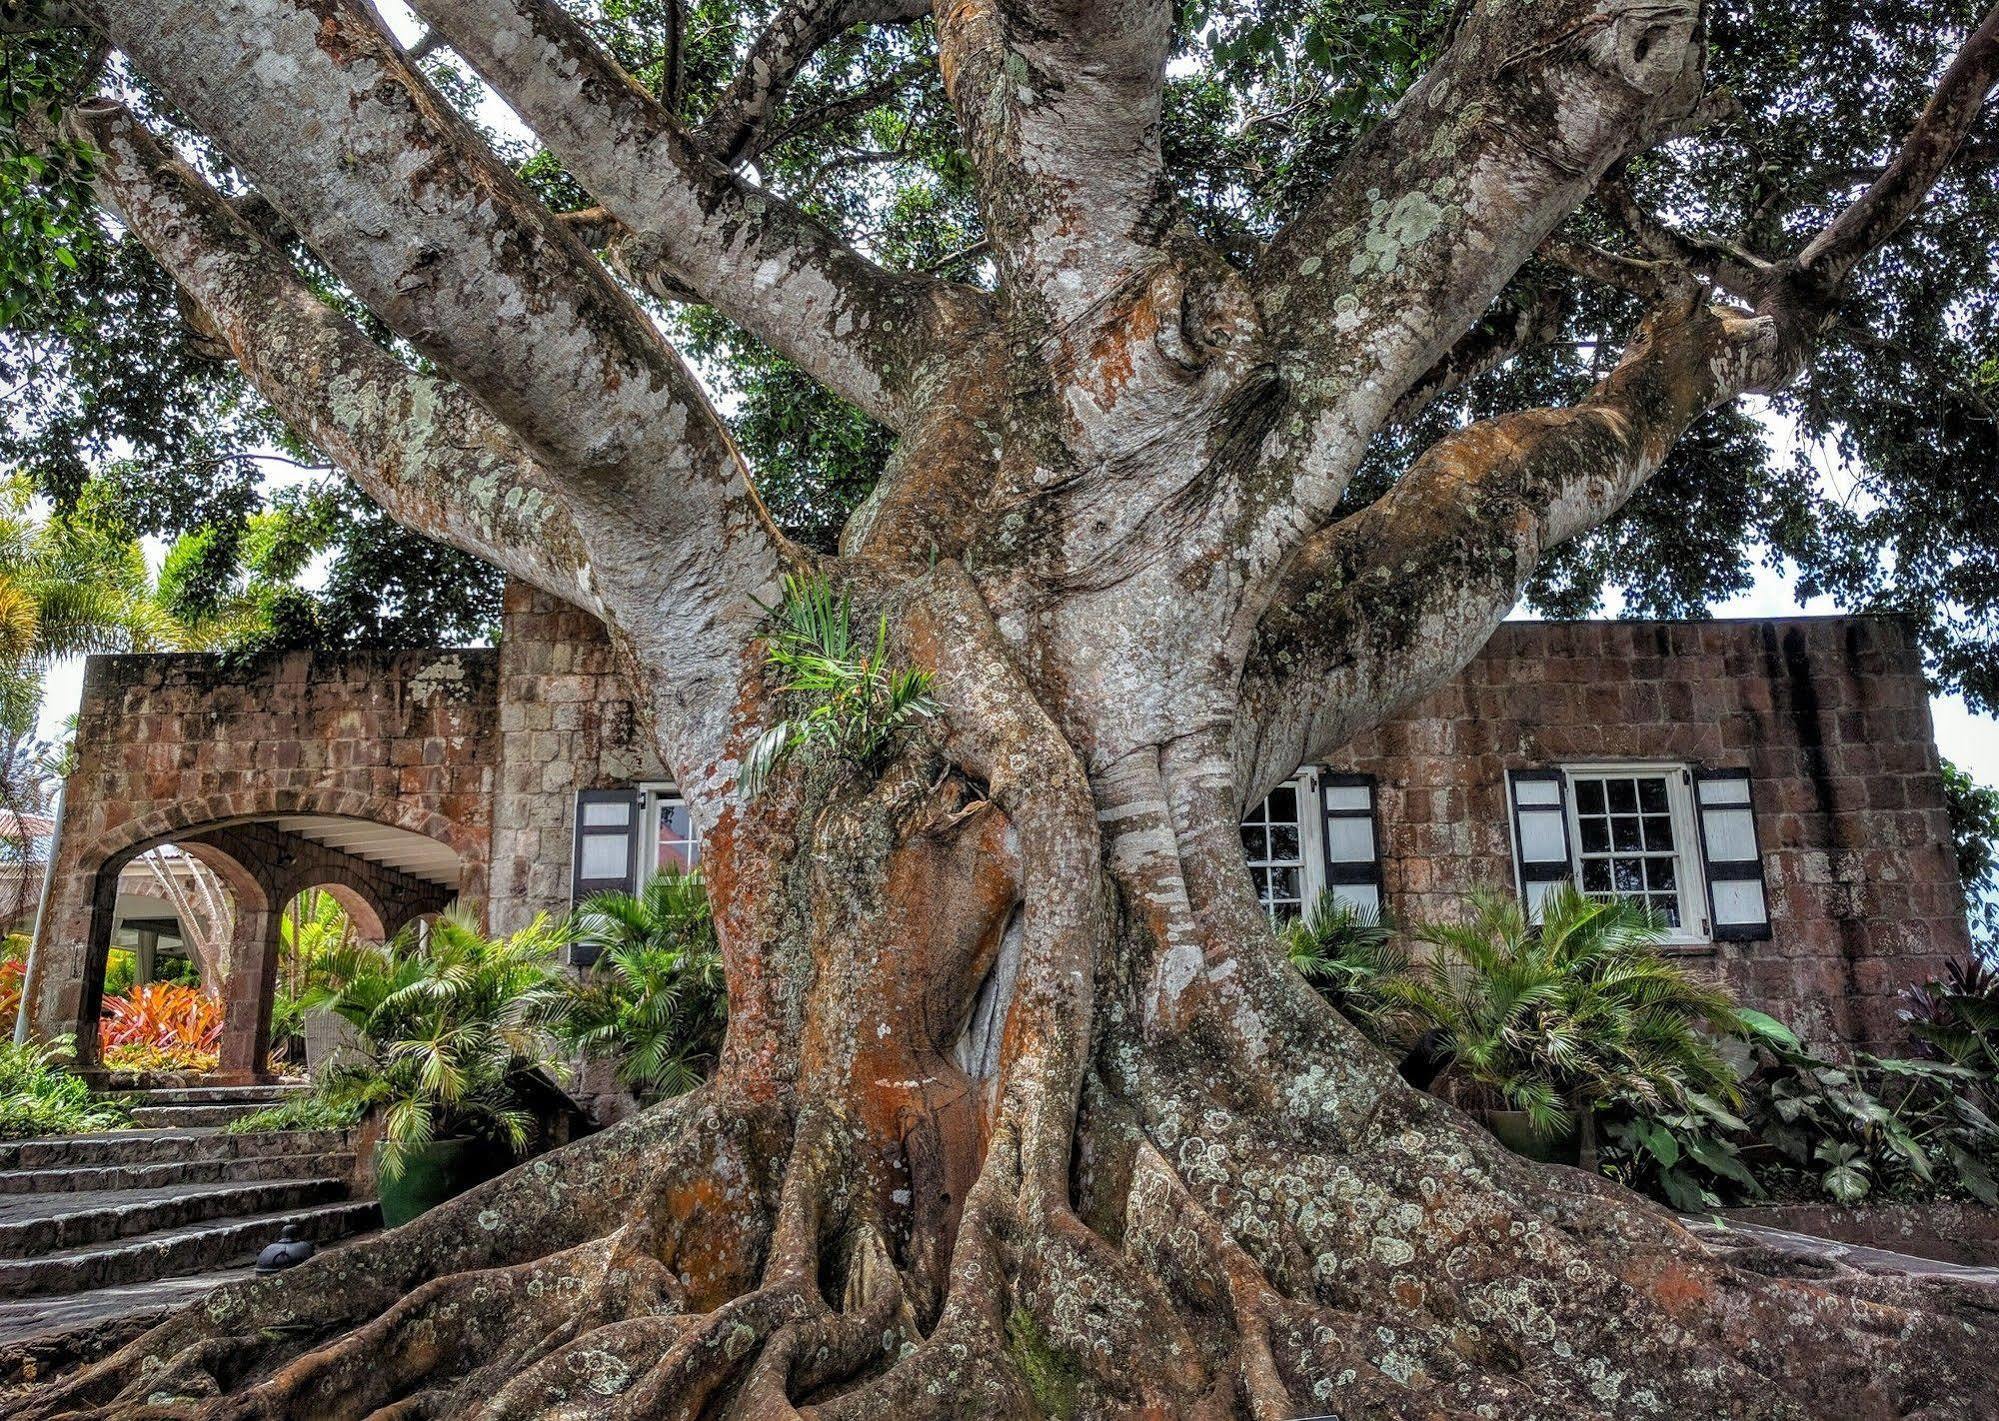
(606, 857)
(1738, 899)
(1542, 853)
(1353, 839)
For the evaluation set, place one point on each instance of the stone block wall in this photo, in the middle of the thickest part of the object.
(565, 722)
(172, 748)
(1829, 715)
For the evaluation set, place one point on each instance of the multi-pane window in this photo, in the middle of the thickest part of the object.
(676, 843)
(1273, 843)
(1628, 844)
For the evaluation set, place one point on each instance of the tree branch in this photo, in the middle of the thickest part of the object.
(865, 333)
(1734, 270)
(398, 195)
(1385, 605)
(787, 44)
(1511, 326)
(1434, 211)
(429, 456)
(1059, 104)
(1876, 214)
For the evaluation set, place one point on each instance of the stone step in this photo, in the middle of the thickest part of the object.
(142, 1304)
(181, 1117)
(238, 1169)
(47, 1223)
(191, 1248)
(133, 1147)
(269, 1094)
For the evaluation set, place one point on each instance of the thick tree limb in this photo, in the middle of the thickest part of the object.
(416, 445)
(1060, 104)
(1383, 606)
(787, 44)
(1511, 326)
(1435, 210)
(863, 332)
(401, 198)
(1916, 166)
(1387, 604)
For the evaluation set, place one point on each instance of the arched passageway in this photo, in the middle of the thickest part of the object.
(226, 888)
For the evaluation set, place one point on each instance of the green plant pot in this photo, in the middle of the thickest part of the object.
(440, 1170)
(1513, 1131)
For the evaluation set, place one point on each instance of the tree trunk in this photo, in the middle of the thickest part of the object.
(985, 1142)
(1021, 1112)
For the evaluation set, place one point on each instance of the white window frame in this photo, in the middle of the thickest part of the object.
(1691, 870)
(1311, 839)
(654, 799)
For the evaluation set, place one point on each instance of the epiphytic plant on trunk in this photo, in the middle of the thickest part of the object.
(1019, 1110)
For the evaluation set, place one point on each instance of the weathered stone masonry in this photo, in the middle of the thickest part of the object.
(485, 751)
(1830, 716)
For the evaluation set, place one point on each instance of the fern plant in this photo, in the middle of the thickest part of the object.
(1354, 959)
(858, 701)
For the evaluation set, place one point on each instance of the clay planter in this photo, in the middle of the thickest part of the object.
(439, 1171)
(1513, 1131)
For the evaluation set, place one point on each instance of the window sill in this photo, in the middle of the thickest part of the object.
(1689, 949)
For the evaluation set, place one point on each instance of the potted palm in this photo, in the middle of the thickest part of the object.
(456, 1024)
(652, 1001)
(1554, 1021)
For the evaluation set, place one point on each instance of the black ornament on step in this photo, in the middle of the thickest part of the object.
(288, 1252)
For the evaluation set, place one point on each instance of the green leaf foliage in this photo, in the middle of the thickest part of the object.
(653, 1002)
(853, 703)
(1870, 503)
(454, 1021)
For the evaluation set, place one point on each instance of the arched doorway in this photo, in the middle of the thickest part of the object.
(226, 892)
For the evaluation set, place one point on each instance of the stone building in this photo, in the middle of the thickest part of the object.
(1771, 786)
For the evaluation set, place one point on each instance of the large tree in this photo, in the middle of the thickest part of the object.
(1020, 1111)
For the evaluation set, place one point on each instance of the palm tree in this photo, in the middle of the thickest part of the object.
(1569, 1015)
(653, 999)
(69, 586)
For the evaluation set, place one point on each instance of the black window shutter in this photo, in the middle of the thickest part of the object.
(1542, 853)
(606, 856)
(1353, 839)
(1738, 898)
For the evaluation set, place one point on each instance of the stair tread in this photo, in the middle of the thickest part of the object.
(251, 1169)
(272, 1220)
(22, 1318)
(25, 1208)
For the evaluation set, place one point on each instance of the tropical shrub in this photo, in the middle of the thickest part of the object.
(1572, 1015)
(39, 1095)
(653, 1002)
(13, 975)
(454, 1020)
(1355, 960)
(160, 1026)
(1812, 1128)
(857, 702)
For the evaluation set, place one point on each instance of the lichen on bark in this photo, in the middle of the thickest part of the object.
(1020, 1111)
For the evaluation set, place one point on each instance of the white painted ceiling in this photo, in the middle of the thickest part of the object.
(414, 854)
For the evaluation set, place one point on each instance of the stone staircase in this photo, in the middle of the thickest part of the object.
(93, 1226)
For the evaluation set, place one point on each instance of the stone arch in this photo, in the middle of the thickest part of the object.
(265, 868)
(368, 920)
(255, 919)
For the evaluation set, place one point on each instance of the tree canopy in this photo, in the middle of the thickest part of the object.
(1884, 496)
